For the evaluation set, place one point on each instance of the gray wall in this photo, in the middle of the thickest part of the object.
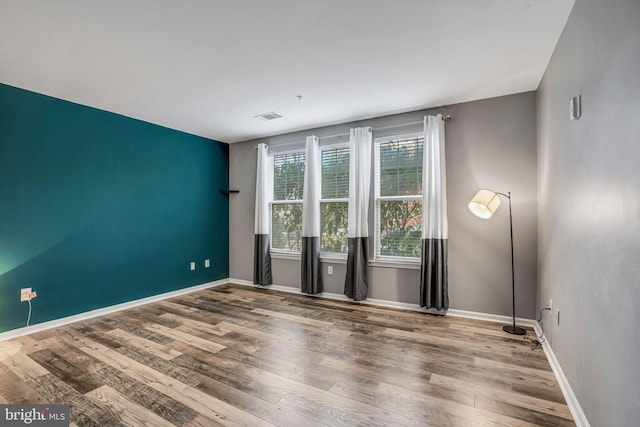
(490, 144)
(589, 207)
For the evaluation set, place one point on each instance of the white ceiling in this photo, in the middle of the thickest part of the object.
(207, 67)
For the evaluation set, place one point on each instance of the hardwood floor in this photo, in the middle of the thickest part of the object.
(236, 355)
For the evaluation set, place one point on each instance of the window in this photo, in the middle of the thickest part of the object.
(286, 207)
(398, 196)
(334, 202)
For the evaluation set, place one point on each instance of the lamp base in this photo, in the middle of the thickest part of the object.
(513, 330)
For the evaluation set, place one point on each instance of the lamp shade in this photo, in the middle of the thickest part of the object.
(484, 204)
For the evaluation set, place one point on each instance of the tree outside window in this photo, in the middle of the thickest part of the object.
(398, 196)
(286, 207)
(334, 204)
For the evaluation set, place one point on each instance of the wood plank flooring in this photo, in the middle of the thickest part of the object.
(235, 355)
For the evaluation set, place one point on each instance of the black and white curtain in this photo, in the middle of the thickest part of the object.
(261, 253)
(311, 282)
(356, 285)
(433, 271)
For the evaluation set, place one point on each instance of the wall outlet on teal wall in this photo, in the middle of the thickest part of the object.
(24, 294)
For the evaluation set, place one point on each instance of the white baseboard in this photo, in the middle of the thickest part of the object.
(329, 295)
(572, 401)
(496, 318)
(106, 310)
(394, 304)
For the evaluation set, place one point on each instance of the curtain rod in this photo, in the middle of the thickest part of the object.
(340, 135)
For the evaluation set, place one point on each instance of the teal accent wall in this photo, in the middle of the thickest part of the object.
(98, 209)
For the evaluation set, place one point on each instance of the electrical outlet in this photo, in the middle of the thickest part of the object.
(551, 305)
(330, 269)
(207, 263)
(24, 294)
(193, 266)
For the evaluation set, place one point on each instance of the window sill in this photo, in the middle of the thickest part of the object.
(384, 263)
(325, 258)
(294, 256)
(333, 258)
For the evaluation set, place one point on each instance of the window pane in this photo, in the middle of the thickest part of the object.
(286, 226)
(288, 176)
(401, 167)
(333, 227)
(335, 173)
(400, 228)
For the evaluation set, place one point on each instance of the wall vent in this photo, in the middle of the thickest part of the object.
(268, 116)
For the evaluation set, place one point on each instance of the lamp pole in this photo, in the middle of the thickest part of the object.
(512, 329)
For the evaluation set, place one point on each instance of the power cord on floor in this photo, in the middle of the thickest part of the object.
(28, 297)
(29, 316)
(535, 342)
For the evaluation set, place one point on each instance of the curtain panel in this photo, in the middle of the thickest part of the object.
(356, 285)
(311, 281)
(434, 292)
(262, 242)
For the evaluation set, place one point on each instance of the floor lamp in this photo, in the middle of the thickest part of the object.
(483, 205)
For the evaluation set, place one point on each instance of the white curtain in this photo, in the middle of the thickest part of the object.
(262, 227)
(433, 275)
(360, 142)
(311, 282)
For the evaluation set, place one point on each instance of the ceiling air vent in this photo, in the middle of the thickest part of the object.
(268, 116)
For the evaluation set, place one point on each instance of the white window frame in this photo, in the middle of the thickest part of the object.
(333, 255)
(385, 259)
(284, 253)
